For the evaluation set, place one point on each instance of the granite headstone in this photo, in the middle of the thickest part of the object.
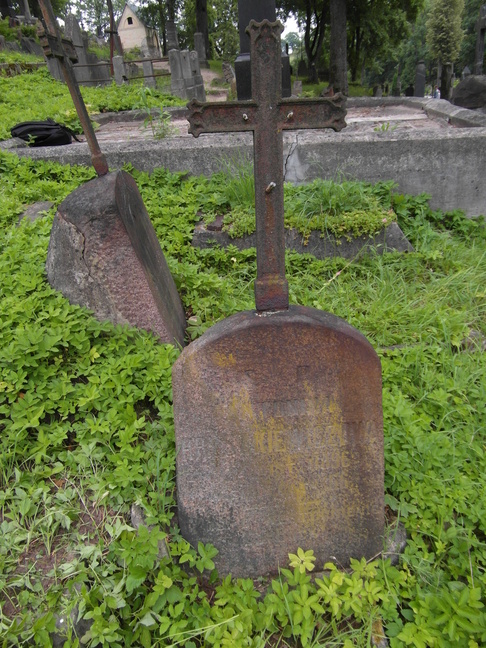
(104, 254)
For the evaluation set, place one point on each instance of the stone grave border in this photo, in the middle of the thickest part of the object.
(449, 168)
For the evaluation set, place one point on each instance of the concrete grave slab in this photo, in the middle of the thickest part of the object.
(430, 146)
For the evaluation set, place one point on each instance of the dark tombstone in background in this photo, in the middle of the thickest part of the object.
(302, 70)
(257, 10)
(200, 47)
(420, 80)
(171, 32)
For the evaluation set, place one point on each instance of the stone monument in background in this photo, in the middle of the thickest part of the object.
(88, 70)
(186, 80)
(278, 415)
(419, 88)
(200, 47)
(171, 33)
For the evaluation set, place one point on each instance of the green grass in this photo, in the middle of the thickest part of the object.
(348, 209)
(86, 430)
(51, 98)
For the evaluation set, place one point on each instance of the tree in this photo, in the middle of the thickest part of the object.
(171, 9)
(93, 15)
(468, 46)
(338, 69)
(414, 49)
(374, 27)
(444, 37)
(223, 28)
(375, 30)
(314, 14)
(60, 8)
(292, 39)
(156, 13)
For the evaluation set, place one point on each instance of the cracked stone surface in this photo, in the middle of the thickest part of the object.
(104, 254)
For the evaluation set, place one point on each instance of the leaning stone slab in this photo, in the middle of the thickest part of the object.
(104, 254)
(389, 239)
(279, 441)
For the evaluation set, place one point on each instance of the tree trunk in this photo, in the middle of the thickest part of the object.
(313, 44)
(162, 27)
(171, 10)
(356, 53)
(202, 23)
(338, 72)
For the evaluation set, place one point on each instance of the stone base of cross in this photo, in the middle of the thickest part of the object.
(267, 115)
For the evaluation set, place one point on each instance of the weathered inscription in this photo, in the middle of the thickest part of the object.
(265, 465)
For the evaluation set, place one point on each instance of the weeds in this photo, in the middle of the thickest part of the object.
(86, 430)
(159, 122)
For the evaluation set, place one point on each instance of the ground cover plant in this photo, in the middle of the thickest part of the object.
(51, 98)
(86, 431)
(347, 209)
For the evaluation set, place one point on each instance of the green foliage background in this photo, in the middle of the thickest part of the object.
(444, 29)
(86, 430)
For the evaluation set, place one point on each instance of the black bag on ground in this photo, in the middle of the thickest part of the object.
(43, 133)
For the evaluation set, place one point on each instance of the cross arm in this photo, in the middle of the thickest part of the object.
(221, 117)
(325, 112)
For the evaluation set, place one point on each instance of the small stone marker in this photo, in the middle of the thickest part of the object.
(119, 70)
(104, 254)
(200, 47)
(278, 417)
(419, 89)
(148, 74)
(297, 88)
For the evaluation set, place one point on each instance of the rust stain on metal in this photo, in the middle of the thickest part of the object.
(54, 47)
(266, 116)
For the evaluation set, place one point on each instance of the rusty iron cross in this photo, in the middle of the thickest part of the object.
(266, 115)
(64, 52)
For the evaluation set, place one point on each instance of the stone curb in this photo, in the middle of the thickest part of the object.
(447, 164)
(124, 116)
(438, 108)
(389, 239)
